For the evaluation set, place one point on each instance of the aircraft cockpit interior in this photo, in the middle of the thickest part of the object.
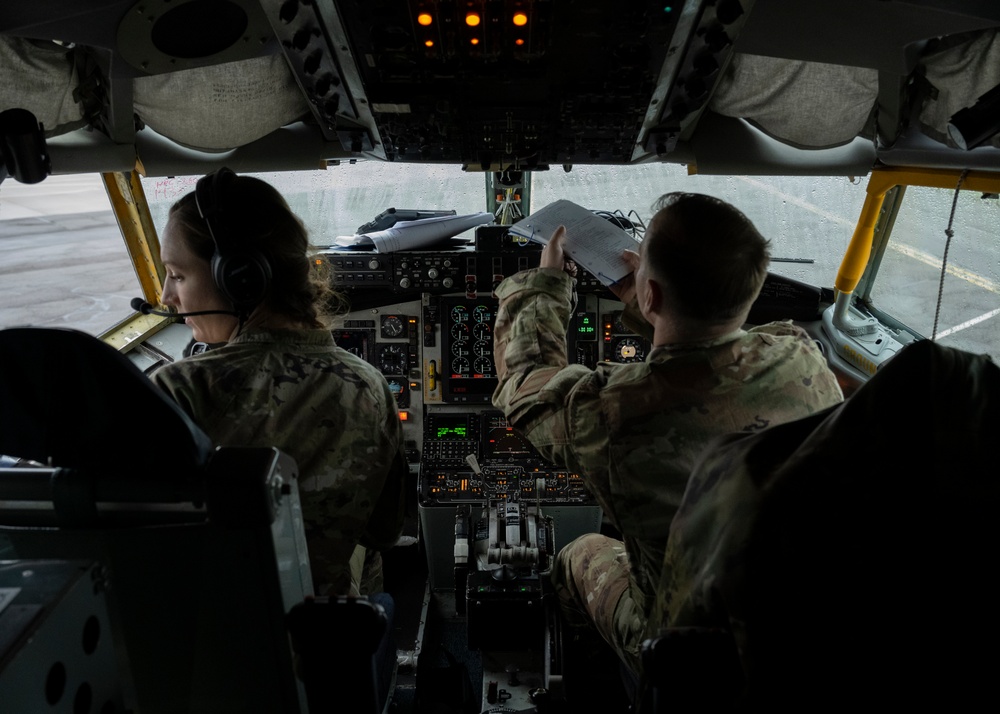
(144, 569)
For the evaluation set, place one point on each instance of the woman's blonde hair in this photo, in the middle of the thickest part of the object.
(256, 217)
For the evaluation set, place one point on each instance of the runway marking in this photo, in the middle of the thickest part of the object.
(969, 323)
(960, 273)
(801, 203)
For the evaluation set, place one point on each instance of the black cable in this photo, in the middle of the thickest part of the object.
(622, 221)
(944, 259)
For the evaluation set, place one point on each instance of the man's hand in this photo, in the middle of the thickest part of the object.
(624, 289)
(553, 255)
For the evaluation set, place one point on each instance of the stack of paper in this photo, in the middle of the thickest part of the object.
(592, 241)
(411, 235)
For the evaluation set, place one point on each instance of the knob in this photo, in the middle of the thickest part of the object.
(404, 283)
(447, 263)
(373, 264)
(432, 273)
(447, 282)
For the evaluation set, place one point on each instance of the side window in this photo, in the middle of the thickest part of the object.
(964, 309)
(63, 262)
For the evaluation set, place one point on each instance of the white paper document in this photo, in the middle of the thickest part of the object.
(411, 235)
(593, 242)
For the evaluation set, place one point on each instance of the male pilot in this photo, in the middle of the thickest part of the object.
(633, 431)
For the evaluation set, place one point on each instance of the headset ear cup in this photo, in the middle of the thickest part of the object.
(243, 274)
(243, 277)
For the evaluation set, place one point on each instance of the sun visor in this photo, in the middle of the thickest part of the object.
(809, 105)
(40, 76)
(957, 77)
(220, 107)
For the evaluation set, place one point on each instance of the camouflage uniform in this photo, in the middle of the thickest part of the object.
(329, 410)
(633, 431)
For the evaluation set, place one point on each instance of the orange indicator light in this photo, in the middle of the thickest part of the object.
(518, 42)
(520, 19)
(428, 43)
(425, 19)
(473, 19)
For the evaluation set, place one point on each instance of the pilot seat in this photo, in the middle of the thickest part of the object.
(855, 569)
(200, 550)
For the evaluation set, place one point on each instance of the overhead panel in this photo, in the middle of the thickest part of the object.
(498, 84)
(314, 40)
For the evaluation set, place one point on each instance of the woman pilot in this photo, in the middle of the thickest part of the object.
(236, 254)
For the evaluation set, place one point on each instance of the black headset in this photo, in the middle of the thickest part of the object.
(242, 273)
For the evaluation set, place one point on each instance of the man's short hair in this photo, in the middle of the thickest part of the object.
(708, 256)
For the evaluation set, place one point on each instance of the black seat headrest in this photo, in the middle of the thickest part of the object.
(850, 549)
(69, 400)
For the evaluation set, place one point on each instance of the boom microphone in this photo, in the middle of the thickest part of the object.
(140, 305)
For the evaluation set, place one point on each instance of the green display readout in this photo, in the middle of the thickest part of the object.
(445, 431)
(586, 323)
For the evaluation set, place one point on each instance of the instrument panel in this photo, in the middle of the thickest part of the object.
(475, 456)
(425, 320)
(468, 349)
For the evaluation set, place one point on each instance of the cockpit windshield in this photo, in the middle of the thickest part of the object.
(64, 263)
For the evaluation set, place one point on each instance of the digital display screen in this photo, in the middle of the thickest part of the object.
(586, 325)
(357, 342)
(503, 441)
(400, 390)
(449, 428)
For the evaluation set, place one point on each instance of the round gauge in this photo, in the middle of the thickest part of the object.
(400, 390)
(482, 349)
(392, 359)
(460, 365)
(483, 365)
(460, 348)
(481, 313)
(459, 331)
(392, 326)
(459, 313)
(482, 331)
(629, 349)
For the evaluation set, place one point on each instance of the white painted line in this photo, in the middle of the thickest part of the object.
(969, 323)
(796, 201)
(961, 273)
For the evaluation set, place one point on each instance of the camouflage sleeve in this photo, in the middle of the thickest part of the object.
(192, 402)
(704, 578)
(386, 522)
(365, 502)
(717, 499)
(539, 392)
